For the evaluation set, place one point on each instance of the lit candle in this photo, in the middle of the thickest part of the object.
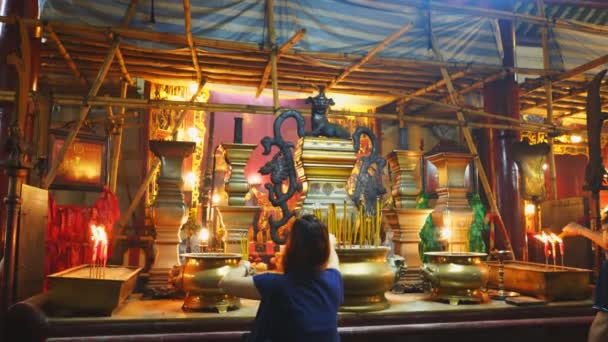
(553, 241)
(544, 239)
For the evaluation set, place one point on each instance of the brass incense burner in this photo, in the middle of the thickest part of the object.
(201, 275)
(457, 277)
(367, 276)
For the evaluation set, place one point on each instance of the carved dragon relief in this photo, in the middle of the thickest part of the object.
(595, 171)
(281, 169)
(369, 180)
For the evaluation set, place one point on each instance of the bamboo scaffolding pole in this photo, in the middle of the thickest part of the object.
(116, 149)
(50, 177)
(245, 47)
(573, 72)
(274, 72)
(66, 56)
(190, 41)
(454, 98)
(123, 67)
(124, 218)
(133, 103)
(479, 112)
(369, 55)
(549, 95)
(430, 88)
(282, 50)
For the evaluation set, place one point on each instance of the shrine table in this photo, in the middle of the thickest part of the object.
(411, 317)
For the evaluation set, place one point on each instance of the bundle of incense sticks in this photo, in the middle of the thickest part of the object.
(349, 230)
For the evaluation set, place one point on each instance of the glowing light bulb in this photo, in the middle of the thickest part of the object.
(190, 179)
(445, 233)
(575, 139)
(215, 199)
(529, 209)
(193, 133)
(545, 166)
(193, 87)
(204, 234)
(254, 179)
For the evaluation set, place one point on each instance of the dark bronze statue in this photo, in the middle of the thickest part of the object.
(595, 171)
(320, 125)
(369, 181)
(281, 169)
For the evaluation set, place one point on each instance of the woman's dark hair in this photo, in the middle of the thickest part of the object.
(307, 248)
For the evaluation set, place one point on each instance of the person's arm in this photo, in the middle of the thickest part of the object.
(574, 229)
(333, 261)
(237, 282)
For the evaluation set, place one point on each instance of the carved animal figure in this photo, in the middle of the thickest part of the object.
(369, 181)
(320, 125)
(281, 169)
(595, 171)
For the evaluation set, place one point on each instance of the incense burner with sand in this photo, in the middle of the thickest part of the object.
(456, 277)
(367, 275)
(201, 275)
(81, 291)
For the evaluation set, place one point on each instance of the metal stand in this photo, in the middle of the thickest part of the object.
(501, 294)
(16, 169)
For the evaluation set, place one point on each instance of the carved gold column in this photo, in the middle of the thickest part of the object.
(231, 213)
(169, 211)
(324, 166)
(405, 220)
(452, 211)
(406, 177)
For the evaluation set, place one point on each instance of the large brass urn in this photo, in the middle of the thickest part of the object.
(457, 277)
(367, 276)
(201, 274)
(169, 211)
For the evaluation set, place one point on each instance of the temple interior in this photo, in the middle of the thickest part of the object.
(148, 146)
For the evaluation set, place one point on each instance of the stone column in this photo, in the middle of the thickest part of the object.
(169, 212)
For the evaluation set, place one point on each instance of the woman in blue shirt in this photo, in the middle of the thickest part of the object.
(301, 304)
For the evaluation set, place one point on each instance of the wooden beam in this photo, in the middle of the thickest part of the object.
(190, 41)
(455, 99)
(101, 75)
(369, 55)
(64, 53)
(282, 50)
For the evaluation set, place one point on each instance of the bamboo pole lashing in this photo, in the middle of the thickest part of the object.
(369, 55)
(52, 173)
(473, 149)
(282, 50)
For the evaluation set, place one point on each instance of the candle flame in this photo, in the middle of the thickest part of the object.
(555, 238)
